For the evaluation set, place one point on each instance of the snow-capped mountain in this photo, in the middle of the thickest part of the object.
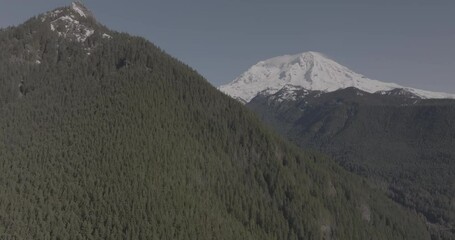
(310, 71)
(74, 23)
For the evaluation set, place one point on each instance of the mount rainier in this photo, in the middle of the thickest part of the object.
(310, 71)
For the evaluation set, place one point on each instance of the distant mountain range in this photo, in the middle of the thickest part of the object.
(105, 136)
(402, 139)
(310, 71)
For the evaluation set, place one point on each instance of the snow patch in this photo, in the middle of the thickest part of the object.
(287, 93)
(78, 9)
(107, 36)
(67, 18)
(52, 14)
(71, 28)
(89, 32)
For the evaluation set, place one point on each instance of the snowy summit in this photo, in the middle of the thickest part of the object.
(309, 71)
(70, 22)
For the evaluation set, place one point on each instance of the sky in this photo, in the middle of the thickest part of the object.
(409, 42)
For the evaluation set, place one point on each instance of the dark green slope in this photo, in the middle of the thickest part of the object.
(405, 145)
(129, 143)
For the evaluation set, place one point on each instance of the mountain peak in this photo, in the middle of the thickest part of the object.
(313, 54)
(74, 22)
(302, 58)
(309, 70)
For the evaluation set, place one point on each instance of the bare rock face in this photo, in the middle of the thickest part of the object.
(75, 23)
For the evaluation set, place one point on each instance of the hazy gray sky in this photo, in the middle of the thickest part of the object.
(410, 42)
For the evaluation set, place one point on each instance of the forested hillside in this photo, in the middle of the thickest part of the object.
(111, 138)
(404, 145)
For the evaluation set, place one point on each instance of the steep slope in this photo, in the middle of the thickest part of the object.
(111, 138)
(403, 144)
(311, 71)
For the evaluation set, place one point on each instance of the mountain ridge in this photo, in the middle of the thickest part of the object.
(403, 144)
(311, 71)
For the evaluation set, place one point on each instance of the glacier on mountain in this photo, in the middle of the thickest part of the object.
(310, 71)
